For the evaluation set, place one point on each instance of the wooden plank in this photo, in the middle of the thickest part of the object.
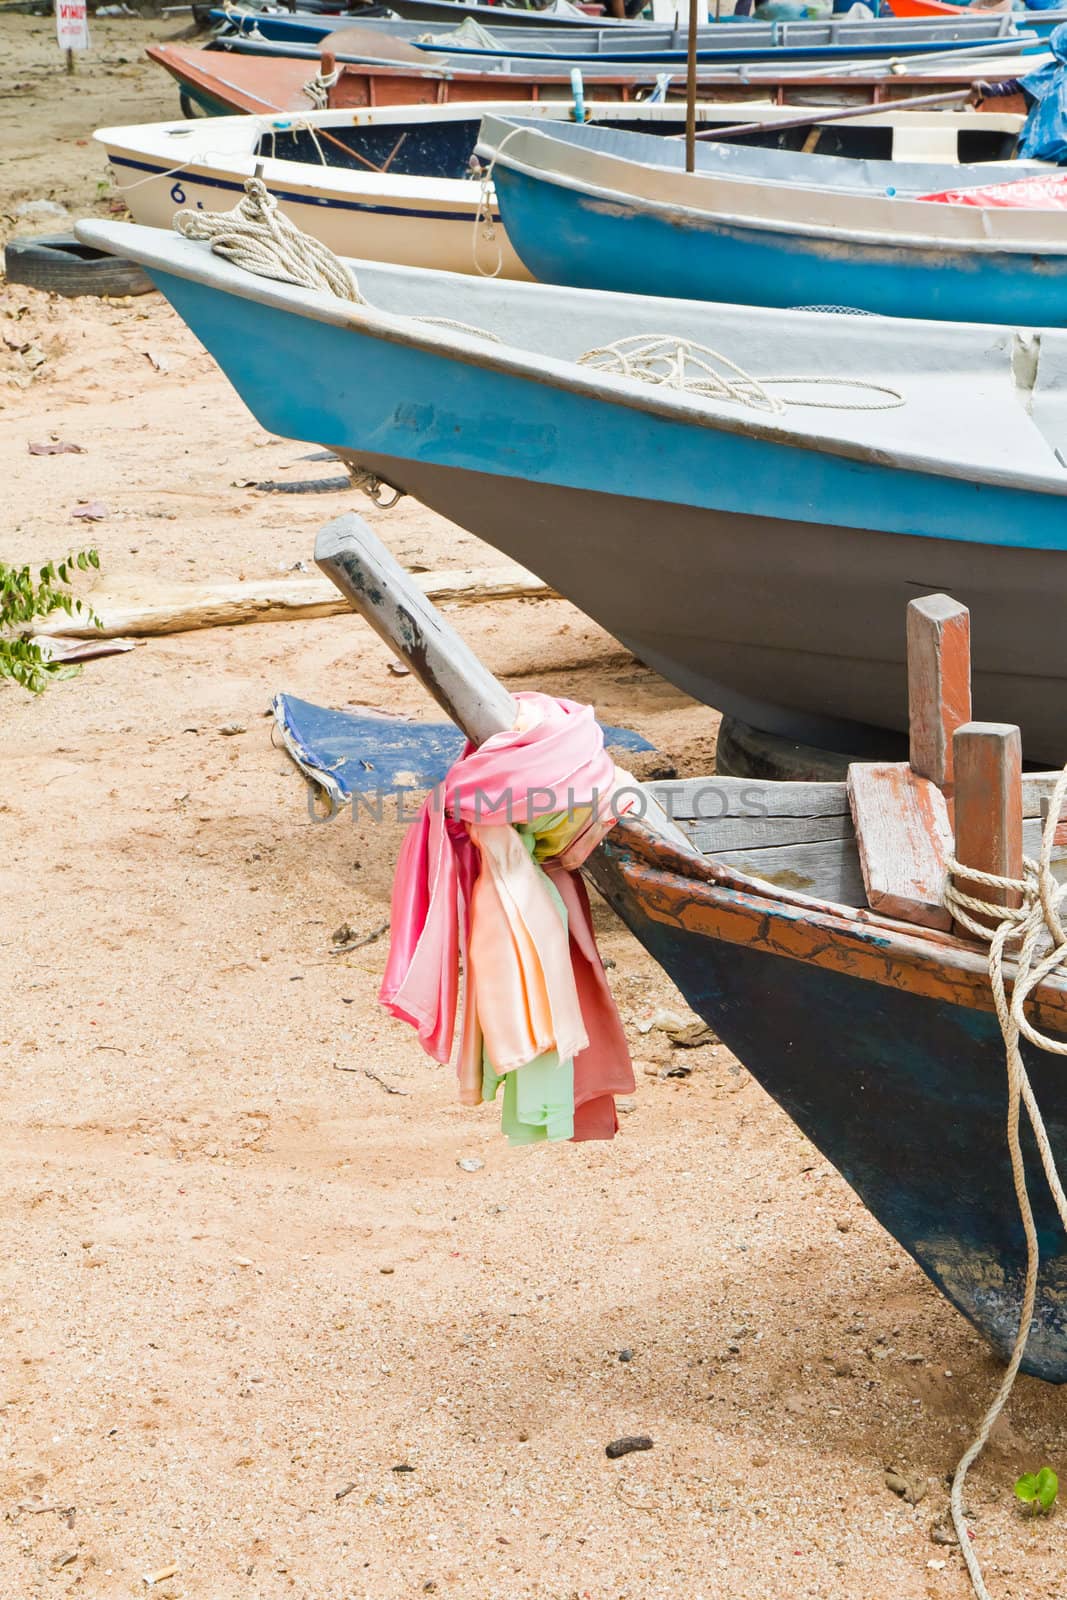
(705, 799)
(1037, 792)
(903, 839)
(138, 607)
(939, 683)
(989, 808)
(760, 833)
(828, 870)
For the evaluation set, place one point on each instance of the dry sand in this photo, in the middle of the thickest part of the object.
(242, 1287)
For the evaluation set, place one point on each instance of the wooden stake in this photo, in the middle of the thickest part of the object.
(691, 88)
(939, 683)
(989, 805)
(70, 61)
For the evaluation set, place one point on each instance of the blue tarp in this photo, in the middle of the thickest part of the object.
(1044, 136)
(350, 752)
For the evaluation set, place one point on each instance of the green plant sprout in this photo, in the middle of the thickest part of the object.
(24, 599)
(1038, 1491)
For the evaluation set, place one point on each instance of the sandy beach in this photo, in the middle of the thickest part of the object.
(261, 1337)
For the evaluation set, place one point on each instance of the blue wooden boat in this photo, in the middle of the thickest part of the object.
(760, 555)
(597, 208)
(877, 1038)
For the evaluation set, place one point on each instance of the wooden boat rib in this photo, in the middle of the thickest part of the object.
(880, 1044)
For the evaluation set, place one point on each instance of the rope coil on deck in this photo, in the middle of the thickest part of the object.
(257, 236)
(1028, 926)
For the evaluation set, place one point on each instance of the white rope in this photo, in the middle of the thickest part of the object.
(318, 88)
(674, 363)
(1028, 925)
(484, 221)
(257, 236)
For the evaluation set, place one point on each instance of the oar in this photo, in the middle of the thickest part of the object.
(956, 97)
(381, 591)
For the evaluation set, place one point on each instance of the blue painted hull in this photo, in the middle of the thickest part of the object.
(906, 1096)
(808, 646)
(565, 236)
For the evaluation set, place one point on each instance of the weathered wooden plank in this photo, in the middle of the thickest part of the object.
(708, 798)
(989, 810)
(1037, 791)
(140, 608)
(939, 683)
(903, 839)
(828, 870)
(760, 833)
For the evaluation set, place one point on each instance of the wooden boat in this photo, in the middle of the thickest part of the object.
(219, 83)
(599, 208)
(876, 1036)
(758, 558)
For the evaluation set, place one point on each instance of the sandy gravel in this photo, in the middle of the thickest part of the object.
(243, 1286)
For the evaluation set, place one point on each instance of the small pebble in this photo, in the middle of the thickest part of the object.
(387, 1270)
(627, 1445)
(626, 1355)
(470, 1163)
(230, 729)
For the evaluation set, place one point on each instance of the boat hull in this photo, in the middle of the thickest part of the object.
(764, 578)
(372, 218)
(903, 1092)
(631, 246)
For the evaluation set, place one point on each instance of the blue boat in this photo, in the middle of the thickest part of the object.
(602, 209)
(757, 548)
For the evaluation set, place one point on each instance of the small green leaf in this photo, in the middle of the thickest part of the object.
(1038, 1490)
(1048, 1487)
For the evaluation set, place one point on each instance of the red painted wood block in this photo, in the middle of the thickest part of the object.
(904, 837)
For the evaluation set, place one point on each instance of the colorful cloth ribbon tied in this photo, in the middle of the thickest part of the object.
(487, 885)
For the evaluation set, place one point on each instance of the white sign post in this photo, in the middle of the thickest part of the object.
(72, 28)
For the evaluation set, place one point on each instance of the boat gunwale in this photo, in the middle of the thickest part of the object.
(368, 321)
(723, 904)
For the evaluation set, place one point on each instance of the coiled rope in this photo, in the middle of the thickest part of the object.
(318, 88)
(1030, 925)
(257, 236)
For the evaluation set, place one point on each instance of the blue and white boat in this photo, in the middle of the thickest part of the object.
(758, 545)
(598, 208)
